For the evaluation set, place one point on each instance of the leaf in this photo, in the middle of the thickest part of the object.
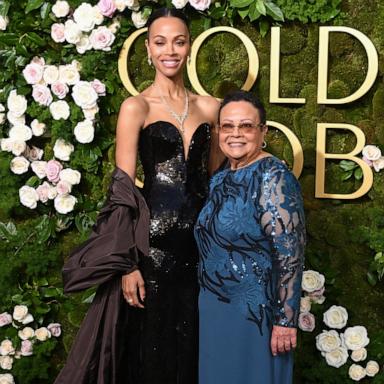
(347, 175)
(45, 9)
(241, 3)
(50, 292)
(9, 38)
(358, 173)
(347, 165)
(32, 181)
(89, 299)
(8, 231)
(274, 11)
(253, 14)
(35, 38)
(260, 6)
(264, 27)
(217, 13)
(371, 278)
(4, 7)
(243, 12)
(32, 5)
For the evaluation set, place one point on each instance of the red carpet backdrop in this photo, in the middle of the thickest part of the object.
(317, 66)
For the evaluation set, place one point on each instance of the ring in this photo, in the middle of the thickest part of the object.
(130, 300)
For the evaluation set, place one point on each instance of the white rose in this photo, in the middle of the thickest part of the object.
(15, 120)
(90, 113)
(72, 32)
(336, 317)
(69, 74)
(70, 175)
(42, 94)
(26, 333)
(84, 17)
(64, 203)
(200, 5)
(55, 329)
(42, 334)
(20, 132)
(27, 319)
(138, 19)
(6, 144)
(356, 372)
(6, 378)
(60, 8)
(17, 104)
(37, 128)
(84, 132)
(312, 281)
(2, 115)
(84, 95)
(372, 368)
(359, 355)
(57, 32)
(120, 5)
(18, 147)
(52, 192)
(62, 150)
(60, 89)
(5, 319)
(19, 165)
(356, 337)
(371, 152)
(102, 38)
(378, 164)
(305, 304)
(6, 362)
(3, 23)
(63, 187)
(328, 341)
(133, 4)
(33, 73)
(59, 110)
(51, 74)
(98, 16)
(38, 167)
(83, 45)
(7, 348)
(29, 198)
(179, 3)
(318, 299)
(337, 357)
(114, 27)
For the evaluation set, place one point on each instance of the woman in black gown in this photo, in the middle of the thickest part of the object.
(170, 128)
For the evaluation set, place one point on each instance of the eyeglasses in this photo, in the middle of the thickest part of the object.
(242, 127)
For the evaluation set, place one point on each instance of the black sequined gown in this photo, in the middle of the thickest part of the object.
(175, 189)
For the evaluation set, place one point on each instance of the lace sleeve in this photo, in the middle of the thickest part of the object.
(282, 220)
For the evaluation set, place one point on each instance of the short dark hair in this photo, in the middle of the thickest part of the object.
(244, 96)
(167, 12)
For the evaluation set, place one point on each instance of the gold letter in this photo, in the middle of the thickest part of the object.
(321, 156)
(298, 157)
(274, 74)
(323, 65)
(253, 59)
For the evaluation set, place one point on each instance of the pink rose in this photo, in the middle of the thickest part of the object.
(57, 32)
(43, 192)
(60, 89)
(33, 73)
(5, 319)
(369, 162)
(53, 169)
(106, 7)
(33, 153)
(55, 329)
(200, 5)
(306, 321)
(41, 94)
(102, 38)
(316, 294)
(63, 187)
(26, 348)
(98, 86)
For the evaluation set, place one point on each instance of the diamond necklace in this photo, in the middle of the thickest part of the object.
(180, 118)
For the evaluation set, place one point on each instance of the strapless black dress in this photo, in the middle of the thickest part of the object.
(164, 349)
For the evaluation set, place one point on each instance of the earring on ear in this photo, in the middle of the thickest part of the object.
(189, 60)
(264, 145)
(149, 61)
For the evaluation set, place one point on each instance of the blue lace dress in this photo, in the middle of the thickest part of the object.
(251, 239)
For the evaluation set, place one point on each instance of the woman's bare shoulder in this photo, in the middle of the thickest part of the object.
(135, 104)
(208, 106)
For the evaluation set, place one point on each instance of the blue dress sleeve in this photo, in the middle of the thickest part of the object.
(282, 221)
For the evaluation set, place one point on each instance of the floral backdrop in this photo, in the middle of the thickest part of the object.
(59, 98)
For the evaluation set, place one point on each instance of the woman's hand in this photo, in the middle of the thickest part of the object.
(283, 339)
(133, 283)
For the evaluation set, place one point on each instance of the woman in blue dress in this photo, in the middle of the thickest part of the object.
(251, 239)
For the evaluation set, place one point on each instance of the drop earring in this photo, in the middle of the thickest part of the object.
(149, 61)
(189, 60)
(264, 145)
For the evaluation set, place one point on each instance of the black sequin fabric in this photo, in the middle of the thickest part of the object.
(175, 189)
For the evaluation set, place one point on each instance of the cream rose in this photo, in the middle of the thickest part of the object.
(42, 334)
(60, 8)
(328, 341)
(37, 128)
(51, 74)
(102, 38)
(41, 94)
(57, 32)
(378, 164)
(372, 368)
(17, 104)
(2, 115)
(33, 73)
(99, 18)
(39, 168)
(336, 317)
(371, 152)
(60, 89)
(59, 110)
(27, 319)
(138, 19)
(69, 74)
(3, 23)
(20, 132)
(120, 5)
(7, 348)
(83, 45)
(84, 17)
(312, 281)
(200, 5)
(5, 319)
(6, 378)
(6, 144)
(29, 198)
(18, 147)
(356, 372)
(305, 304)
(84, 132)
(359, 355)
(70, 175)
(179, 3)
(356, 337)
(6, 362)
(15, 120)
(19, 165)
(90, 113)
(26, 333)
(84, 95)
(62, 150)
(337, 357)
(64, 203)
(72, 32)
(55, 329)
(26, 348)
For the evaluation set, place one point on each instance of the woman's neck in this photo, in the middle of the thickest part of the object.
(170, 87)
